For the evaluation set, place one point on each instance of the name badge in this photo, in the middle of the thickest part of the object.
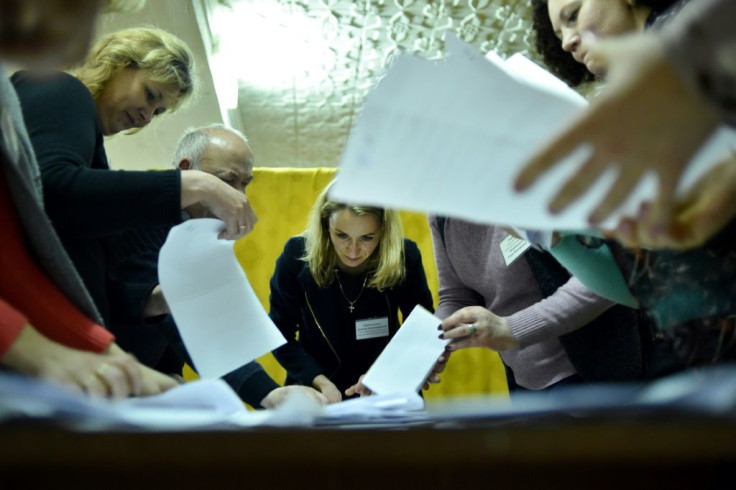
(370, 328)
(512, 248)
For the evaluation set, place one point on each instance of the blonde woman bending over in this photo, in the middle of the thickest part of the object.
(129, 78)
(340, 286)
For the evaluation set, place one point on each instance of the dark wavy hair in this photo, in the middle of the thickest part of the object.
(559, 61)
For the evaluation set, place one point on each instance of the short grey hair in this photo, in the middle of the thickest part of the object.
(194, 142)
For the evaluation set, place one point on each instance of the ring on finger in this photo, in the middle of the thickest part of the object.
(472, 328)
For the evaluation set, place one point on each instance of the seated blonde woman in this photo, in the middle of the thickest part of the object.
(339, 286)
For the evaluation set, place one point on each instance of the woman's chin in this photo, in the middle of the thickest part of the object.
(352, 266)
(597, 69)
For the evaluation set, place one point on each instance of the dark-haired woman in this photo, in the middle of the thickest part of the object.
(668, 89)
(560, 25)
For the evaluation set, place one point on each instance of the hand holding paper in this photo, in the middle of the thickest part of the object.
(409, 357)
(645, 120)
(460, 154)
(220, 319)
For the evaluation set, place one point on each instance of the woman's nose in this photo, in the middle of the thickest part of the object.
(571, 41)
(145, 115)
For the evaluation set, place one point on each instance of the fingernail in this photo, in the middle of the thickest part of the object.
(439, 327)
(441, 336)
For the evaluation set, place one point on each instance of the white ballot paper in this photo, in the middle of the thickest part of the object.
(409, 357)
(450, 138)
(220, 319)
(203, 404)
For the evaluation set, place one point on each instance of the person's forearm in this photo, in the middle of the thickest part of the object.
(571, 307)
(195, 185)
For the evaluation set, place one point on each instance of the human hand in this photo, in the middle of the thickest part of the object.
(155, 382)
(152, 382)
(115, 374)
(277, 396)
(646, 119)
(434, 374)
(475, 326)
(220, 200)
(698, 215)
(359, 389)
(327, 388)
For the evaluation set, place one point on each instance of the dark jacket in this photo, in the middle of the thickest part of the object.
(87, 202)
(24, 183)
(327, 341)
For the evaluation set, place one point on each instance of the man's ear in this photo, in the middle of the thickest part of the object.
(185, 164)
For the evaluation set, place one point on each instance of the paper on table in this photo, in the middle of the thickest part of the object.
(199, 404)
(202, 404)
(451, 138)
(409, 357)
(220, 319)
(213, 395)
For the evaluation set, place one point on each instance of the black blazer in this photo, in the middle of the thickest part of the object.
(87, 202)
(327, 341)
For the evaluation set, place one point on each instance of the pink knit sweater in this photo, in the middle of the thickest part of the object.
(472, 272)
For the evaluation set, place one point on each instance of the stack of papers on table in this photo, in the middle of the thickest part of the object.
(198, 405)
(211, 404)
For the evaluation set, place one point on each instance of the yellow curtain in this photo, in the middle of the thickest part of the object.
(282, 198)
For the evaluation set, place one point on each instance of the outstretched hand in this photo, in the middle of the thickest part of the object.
(112, 374)
(645, 120)
(698, 215)
(327, 388)
(359, 388)
(279, 395)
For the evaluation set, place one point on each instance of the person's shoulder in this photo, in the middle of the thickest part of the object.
(51, 89)
(291, 257)
(50, 81)
(295, 246)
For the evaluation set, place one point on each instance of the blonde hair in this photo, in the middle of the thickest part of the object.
(387, 261)
(166, 57)
(121, 6)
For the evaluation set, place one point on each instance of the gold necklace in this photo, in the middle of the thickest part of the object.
(351, 304)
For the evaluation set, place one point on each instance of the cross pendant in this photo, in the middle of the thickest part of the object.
(351, 307)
